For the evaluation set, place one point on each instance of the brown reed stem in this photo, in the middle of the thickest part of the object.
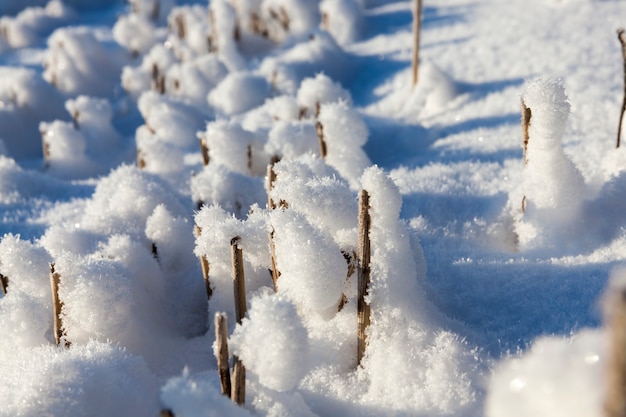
(417, 23)
(204, 150)
(57, 307)
(363, 308)
(526, 116)
(275, 272)
(319, 128)
(204, 265)
(221, 338)
(622, 39)
(615, 317)
(238, 393)
(4, 284)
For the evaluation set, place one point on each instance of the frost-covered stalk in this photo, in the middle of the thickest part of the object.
(238, 394)
(271, 179)
(615, 318)
(622, 39)
(526, 115)
(158, 80)
(45, 146)
(363, 307)
(319, 128)
(57, 305)
(205, 266)
(417, 23)
(141, 161)
(4, 284)
(351, 259)
(221, 339)
(275, 271)
(204, 150)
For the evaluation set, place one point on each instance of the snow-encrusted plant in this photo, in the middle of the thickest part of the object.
(550, 201)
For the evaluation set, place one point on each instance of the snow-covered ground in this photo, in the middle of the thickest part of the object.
(496, 267)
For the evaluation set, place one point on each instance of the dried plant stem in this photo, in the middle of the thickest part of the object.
(57, 306)
(205, 266)
(167, 413)
(350, 257)
(622, 39)
(417, 23)
(249, 158)
(615, 400)
(526, 115)
(275, 272)
(4, 284)
(141, 162)
(319, 128)
(363, 308)
(239, 283)
(238, 393)
(271, 179)
(204, 150)
(223, 368)
(179, 22)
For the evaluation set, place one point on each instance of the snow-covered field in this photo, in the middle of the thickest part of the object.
(495, 269)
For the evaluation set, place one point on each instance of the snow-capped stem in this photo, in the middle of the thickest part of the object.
(417, 23)
(239, 282)
(213, 35)
(155, 252)
(275, 271)
(271, 179)
(45, 147)
(615, 400)
(526, 115)
(363, 307)
(4, 284)
(57, 306)
(238, 394)
(204, 150)
(249, 157)
(179, 22)
(204, 264)
(622, 39)
(158, 80)
(351, 259)
(319, 128)
(141, 162)
(221, 338)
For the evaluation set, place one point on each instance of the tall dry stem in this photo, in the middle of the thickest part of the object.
(57, 307)
(319, 128)
(615, 318)
(223, 368)
(526, 116)
(417, 23)
(622, 39)
(363, 308)
(238, 393)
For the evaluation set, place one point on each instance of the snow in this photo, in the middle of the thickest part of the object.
(139, 140)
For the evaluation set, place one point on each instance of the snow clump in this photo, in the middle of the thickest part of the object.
(552, 187)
